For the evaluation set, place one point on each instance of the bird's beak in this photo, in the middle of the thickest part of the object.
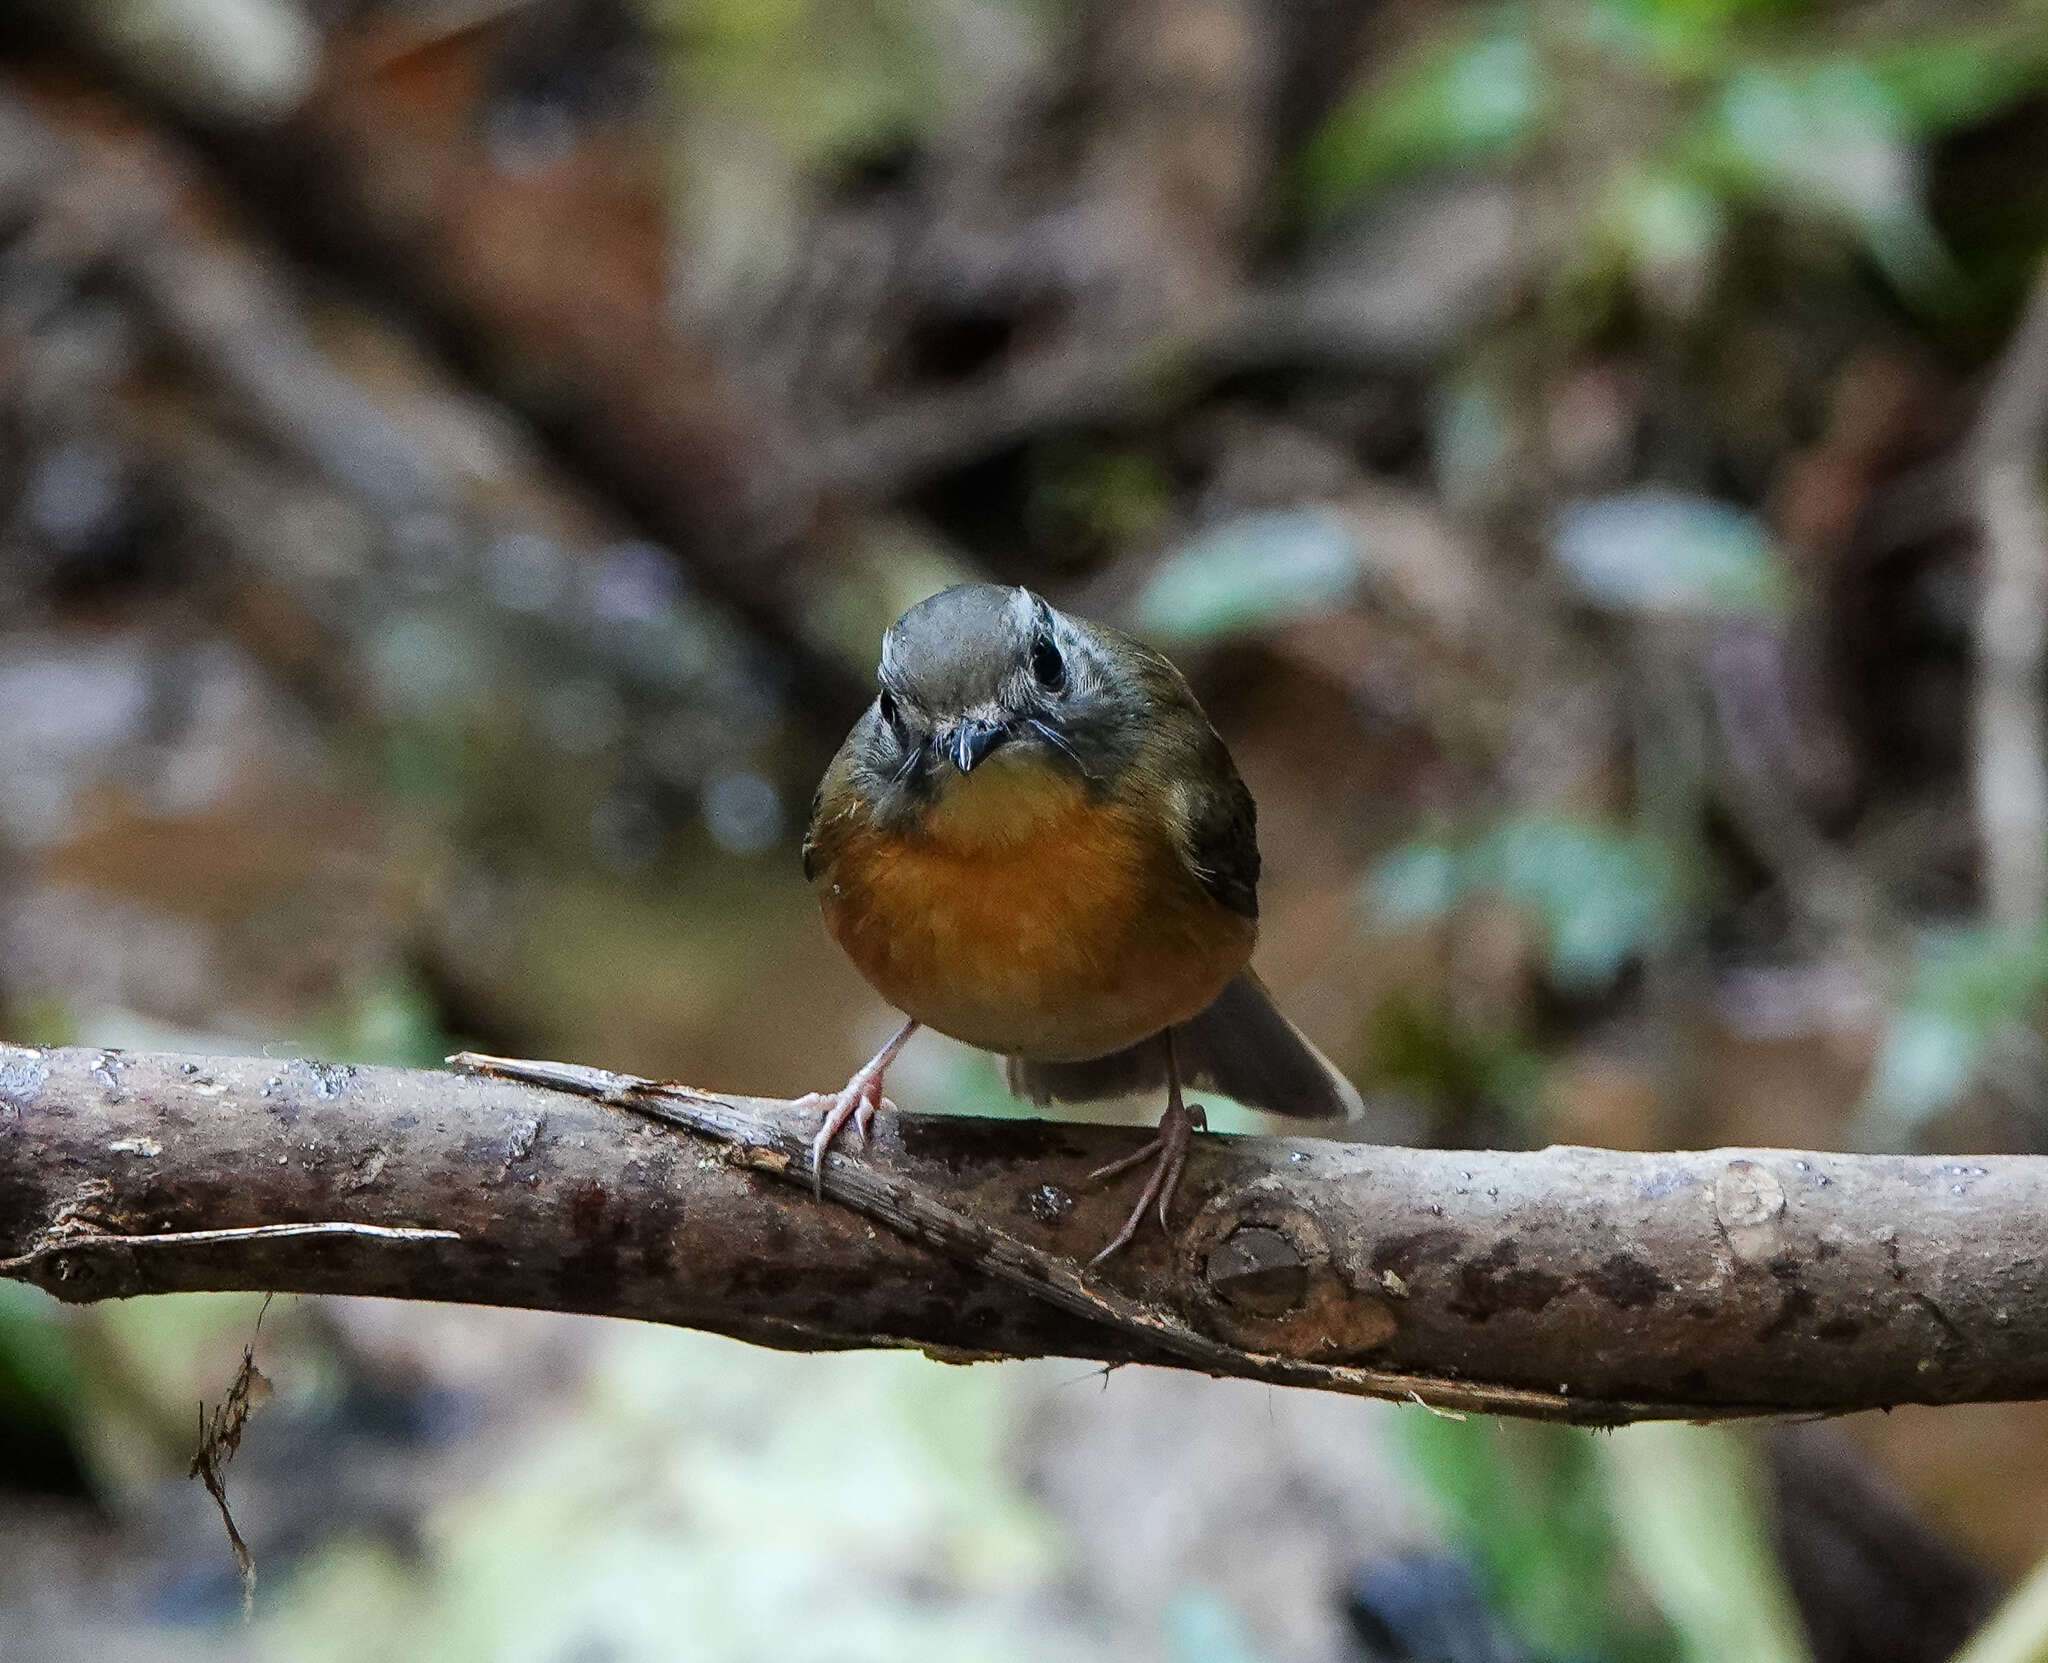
(971, 741)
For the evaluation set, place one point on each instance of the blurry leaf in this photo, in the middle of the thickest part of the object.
(1416, 884)
(427, 663)
(41, 1404)
(1687, 1507)
(1923, 1065)
(688, 1500)
(37, 1378)
(1421, 1049)
(1656, 234)
(1980, 977)
(143, 1366)
(1832, 140)
(1459, 102)
(886, 566)
(1969, 987)
(832, 82)
(1203, 1627)
(40, 1018)
(1471, 442)
(1088, 495)
(1250, 573)
(1937, 86)
(1669, 553)
(1600, 897)
(393, 1020)
(1526, 1502)
(235, 60)
(1674, 37)
(1665, 220)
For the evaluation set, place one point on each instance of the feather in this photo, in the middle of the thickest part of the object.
(1240, 1046)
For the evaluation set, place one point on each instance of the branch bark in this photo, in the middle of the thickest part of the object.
(1575, 1284)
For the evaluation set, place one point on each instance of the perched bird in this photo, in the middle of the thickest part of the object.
(1034, 841)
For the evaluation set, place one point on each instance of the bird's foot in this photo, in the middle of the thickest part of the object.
(1167, 1155)
(856, 1101)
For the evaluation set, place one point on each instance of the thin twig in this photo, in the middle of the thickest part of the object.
(220, 1436)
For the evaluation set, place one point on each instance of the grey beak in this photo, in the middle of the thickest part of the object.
(972, 740)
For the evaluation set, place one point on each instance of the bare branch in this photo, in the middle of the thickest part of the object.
(1575, 1284)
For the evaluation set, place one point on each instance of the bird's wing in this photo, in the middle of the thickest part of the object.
(833, 807)
(1219, 839)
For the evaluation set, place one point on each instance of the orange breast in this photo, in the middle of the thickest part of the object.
(1063, 933)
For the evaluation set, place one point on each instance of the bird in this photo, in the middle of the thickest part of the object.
(1034, 841)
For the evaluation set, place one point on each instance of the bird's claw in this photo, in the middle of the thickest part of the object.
(857, 1101)
(1167, 1155)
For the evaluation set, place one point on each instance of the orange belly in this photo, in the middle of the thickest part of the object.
(1081, 936)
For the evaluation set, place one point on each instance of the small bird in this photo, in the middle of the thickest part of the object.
(1034, 841)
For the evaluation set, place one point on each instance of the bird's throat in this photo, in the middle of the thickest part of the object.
(1013, 797)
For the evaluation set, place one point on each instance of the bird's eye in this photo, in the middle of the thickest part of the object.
(1048, 669)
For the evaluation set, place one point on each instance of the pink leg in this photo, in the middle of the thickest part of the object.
(857, 1101)
(1167, 1155)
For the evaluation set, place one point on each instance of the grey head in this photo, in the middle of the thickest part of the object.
(981, 669)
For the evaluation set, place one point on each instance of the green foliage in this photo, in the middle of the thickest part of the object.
(971, 1083)
(831, 79)
(1688, 1510)
(40, 1019)
(1723, 106)
(1658, 217)
(1570, 1529)
(695, 1499)
(1472, 440)
(1969, 988)
(1599, 897)
(1526, 1502)
(1940, 83)
(1828, 142)
(1419, 1049)
(38, 1380)
(1668, 553)
(1681, 39)
(1458, 101)
(42, 1434)
(1088, 496)
(1250, 573)
(390, 1019)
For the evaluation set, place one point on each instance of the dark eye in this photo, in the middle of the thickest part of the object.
(1048, 669)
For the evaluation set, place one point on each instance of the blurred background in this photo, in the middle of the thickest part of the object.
(456, 460)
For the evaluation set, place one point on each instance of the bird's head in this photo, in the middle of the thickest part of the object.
(994, 710)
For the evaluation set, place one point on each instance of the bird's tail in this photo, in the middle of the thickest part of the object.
(1240, 1046)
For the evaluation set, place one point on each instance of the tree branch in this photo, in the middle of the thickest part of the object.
(1576, 1284)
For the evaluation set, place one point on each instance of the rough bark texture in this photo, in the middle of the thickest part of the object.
(1573, 1283)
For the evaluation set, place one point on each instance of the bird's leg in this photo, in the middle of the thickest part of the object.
(1167, 1154)
(856, 1101)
